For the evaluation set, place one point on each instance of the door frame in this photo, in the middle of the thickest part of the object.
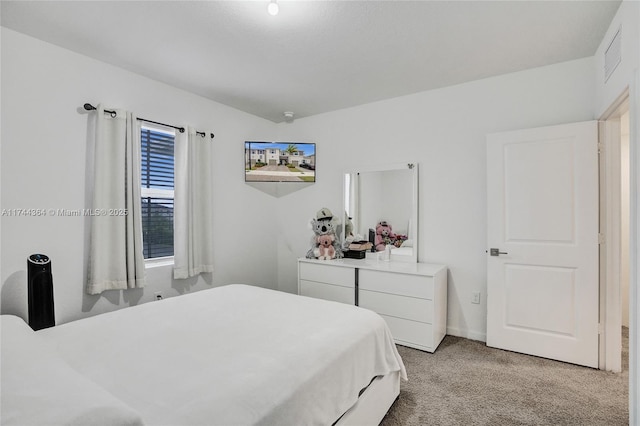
(610, 230)
(634, 237)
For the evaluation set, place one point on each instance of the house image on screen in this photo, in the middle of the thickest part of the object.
(260, 155)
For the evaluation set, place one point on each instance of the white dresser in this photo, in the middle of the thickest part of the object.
(411, 297)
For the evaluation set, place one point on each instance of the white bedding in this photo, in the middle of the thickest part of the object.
(39, 388)
(233, 355)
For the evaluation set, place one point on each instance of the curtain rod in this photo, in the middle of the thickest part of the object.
(90, 107)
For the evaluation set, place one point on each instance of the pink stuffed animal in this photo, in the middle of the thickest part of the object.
(384, 235)
(325, 249)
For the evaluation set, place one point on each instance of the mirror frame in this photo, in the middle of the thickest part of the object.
(414, 231)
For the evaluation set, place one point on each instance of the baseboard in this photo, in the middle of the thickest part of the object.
(467, 334)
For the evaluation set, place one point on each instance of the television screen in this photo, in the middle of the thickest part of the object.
(279, 162)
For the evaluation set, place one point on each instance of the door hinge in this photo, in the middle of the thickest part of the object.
(600, 147)
(600, 328)
(601, 238)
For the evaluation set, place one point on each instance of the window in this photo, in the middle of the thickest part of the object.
(157, 180)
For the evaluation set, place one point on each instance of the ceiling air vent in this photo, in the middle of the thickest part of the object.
(613, 54)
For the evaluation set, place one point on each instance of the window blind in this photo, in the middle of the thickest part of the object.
(157, 227)
(157, 159)
(157, 170)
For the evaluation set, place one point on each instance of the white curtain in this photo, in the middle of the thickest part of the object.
(193, 207)
(116, 259)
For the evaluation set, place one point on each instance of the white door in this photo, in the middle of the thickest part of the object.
(542, 285)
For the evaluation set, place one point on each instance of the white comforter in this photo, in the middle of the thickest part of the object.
(233, 355)
(40, 388)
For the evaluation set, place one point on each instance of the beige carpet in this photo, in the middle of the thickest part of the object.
(466, 383)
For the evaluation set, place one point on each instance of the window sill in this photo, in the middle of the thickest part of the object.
(158, 262)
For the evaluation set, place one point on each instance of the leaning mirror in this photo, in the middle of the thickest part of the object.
(384, 194)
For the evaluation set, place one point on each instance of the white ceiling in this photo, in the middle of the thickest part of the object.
(316, 56)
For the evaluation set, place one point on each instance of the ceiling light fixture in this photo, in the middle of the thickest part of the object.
(273, 8)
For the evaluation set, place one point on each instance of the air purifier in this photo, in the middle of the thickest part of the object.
(40, 292)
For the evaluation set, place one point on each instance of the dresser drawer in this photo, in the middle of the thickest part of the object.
(335, 275)
(410, 332)
(332, 292)
(403, 284)
(397, 306)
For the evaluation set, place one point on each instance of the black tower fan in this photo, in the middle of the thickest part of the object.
(40, 282)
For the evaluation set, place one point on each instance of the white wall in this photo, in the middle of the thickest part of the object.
(43, 155)
(622, 78)
(444, 131)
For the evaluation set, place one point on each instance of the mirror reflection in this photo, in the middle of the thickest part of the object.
(381, 207)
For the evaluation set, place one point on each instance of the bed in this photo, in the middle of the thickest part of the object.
(232, 355)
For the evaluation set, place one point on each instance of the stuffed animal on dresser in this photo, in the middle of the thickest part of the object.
(325, 224)
(384, 235)
(325, 249)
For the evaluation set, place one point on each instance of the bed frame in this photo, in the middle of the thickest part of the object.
(374, 402)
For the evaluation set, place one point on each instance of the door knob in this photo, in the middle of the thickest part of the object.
(496, 252)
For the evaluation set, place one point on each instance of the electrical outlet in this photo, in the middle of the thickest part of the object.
(476, 297)
(158, 295)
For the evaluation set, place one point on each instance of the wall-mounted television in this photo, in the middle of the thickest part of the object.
(279, 161)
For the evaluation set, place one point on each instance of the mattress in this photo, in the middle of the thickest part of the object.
(232, 355)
